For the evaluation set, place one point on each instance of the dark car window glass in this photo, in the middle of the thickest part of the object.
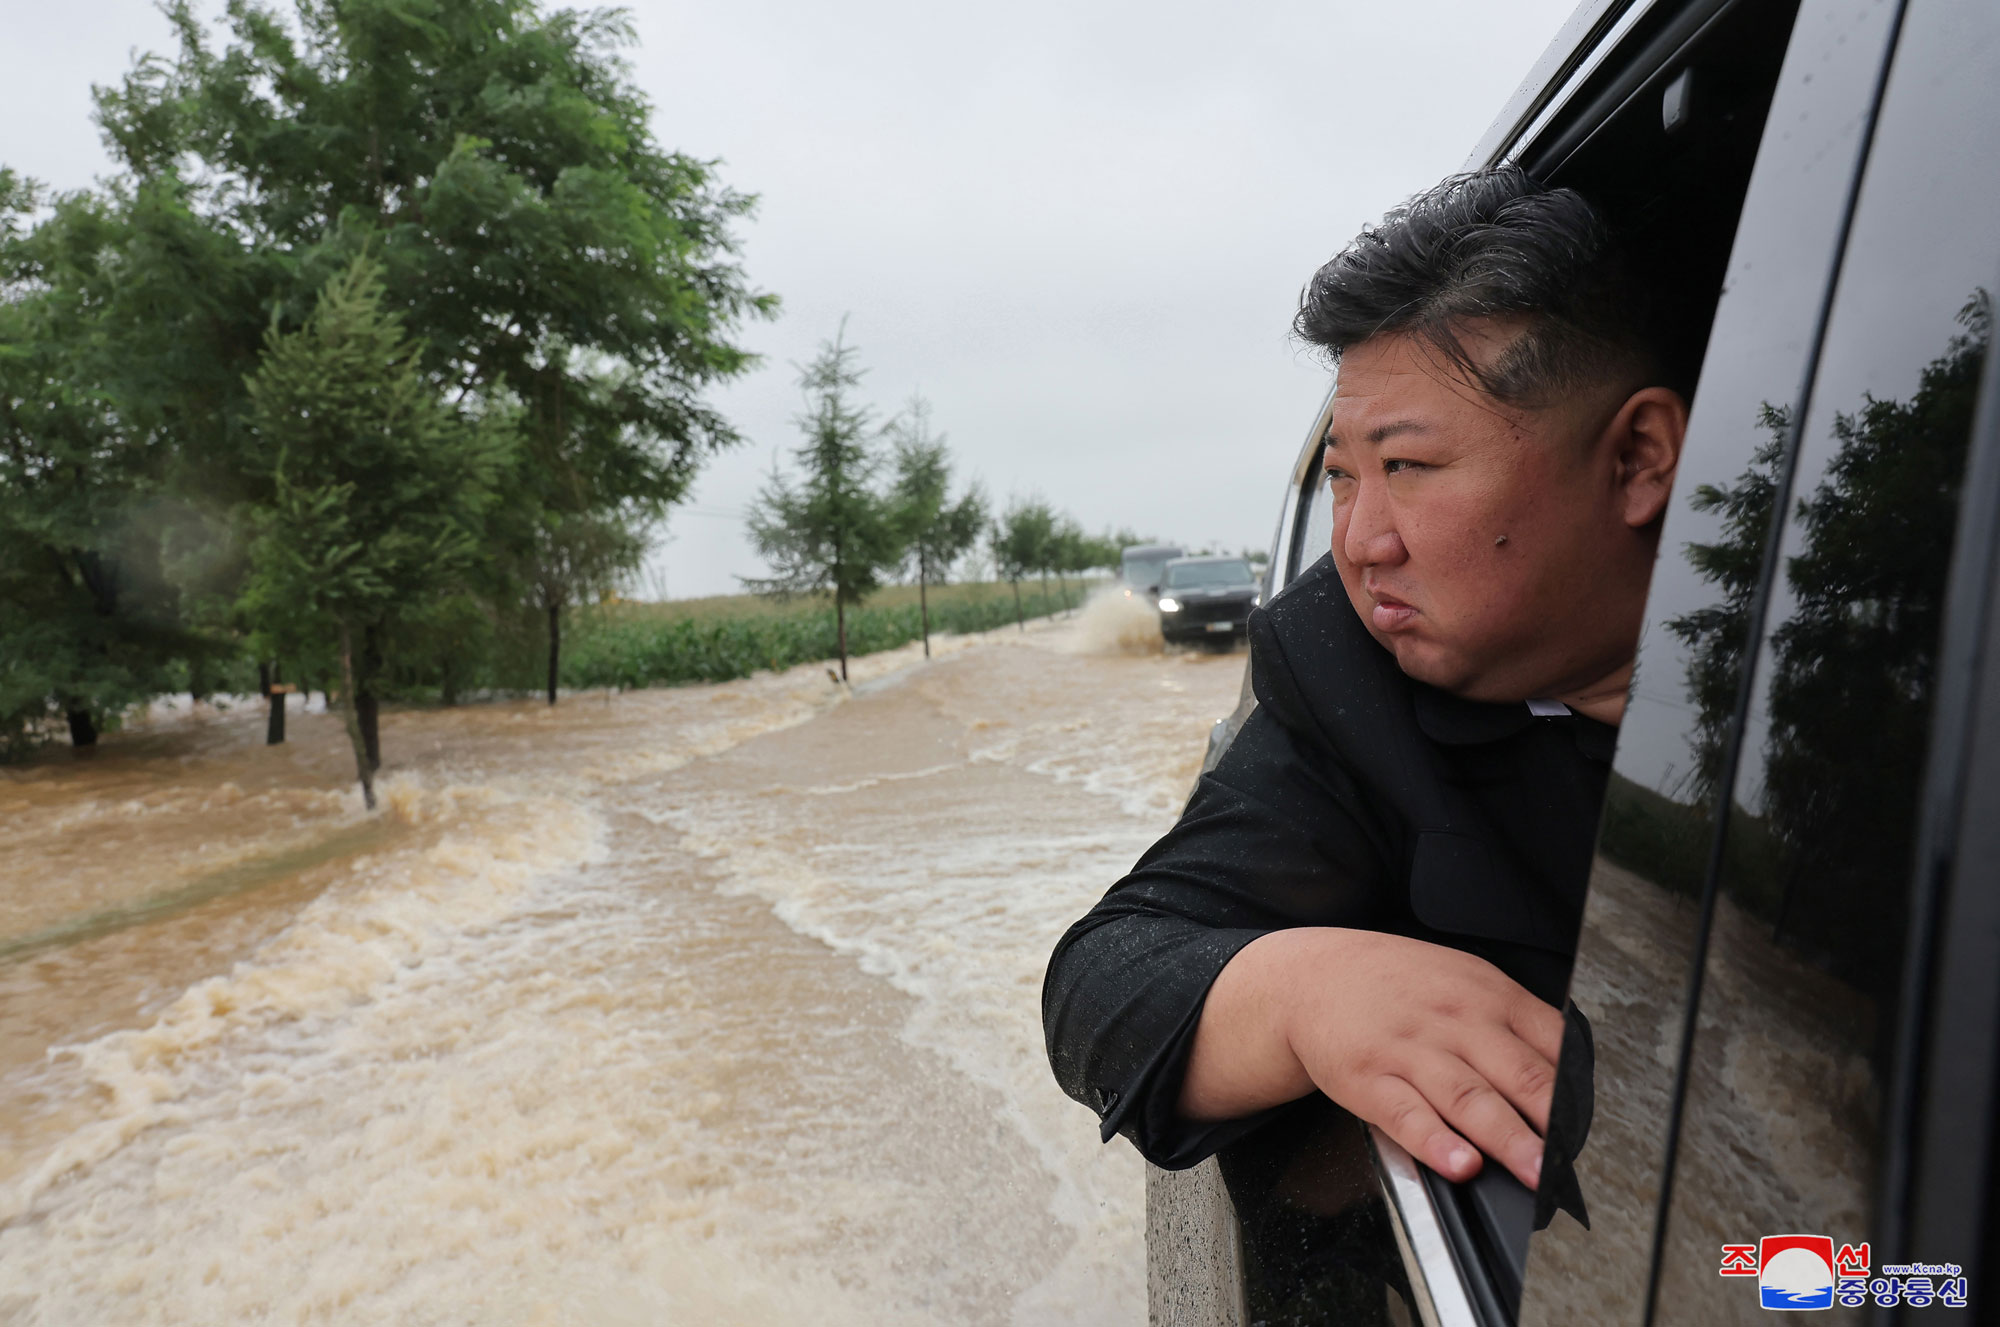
(1781, 1120)
(1209, 575)
(1143, 570)
(1640, 923)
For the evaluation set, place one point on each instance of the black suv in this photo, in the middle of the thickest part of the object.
(1207, 600)
(1791, 949)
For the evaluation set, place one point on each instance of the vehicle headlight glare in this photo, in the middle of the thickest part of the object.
(1170, 605)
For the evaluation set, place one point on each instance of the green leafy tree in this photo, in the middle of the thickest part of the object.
(539, 244)
(936, 531)
(91, 621)
(830, 531)
(1023, 540)
(379, 489)
(1078, 554)
(1049, 528)
(571, 556)
(1066, 554)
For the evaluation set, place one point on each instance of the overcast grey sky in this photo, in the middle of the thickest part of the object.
(1079, 228)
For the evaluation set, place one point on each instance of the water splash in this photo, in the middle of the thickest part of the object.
(1114, 621)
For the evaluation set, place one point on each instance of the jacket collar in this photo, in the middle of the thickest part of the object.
(1454, 721)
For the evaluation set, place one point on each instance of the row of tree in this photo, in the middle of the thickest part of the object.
(1033, 538)
(388, 338)
(857, 513)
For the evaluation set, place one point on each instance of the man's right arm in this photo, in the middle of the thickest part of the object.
(1263, 846)
(1442, 1050)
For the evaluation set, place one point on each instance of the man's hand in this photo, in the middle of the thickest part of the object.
(1442, 1050)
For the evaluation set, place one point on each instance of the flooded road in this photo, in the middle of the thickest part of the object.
(707, 1005)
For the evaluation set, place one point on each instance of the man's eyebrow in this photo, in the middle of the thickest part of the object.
(1383, 432)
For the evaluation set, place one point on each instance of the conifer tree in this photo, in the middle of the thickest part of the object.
(830, 531)
(379, 488)
(935, 530)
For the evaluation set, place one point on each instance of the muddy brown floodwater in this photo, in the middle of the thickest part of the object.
(704, 1005)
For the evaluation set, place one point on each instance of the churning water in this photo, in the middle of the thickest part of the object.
(705, 1005)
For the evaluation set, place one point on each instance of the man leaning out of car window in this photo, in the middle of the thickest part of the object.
(1376, 892)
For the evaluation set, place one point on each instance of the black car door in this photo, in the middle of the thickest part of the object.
(1644, 921)
(1788, 1112)
(1757, 921)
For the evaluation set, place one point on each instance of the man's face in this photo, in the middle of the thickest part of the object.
(1492, 549)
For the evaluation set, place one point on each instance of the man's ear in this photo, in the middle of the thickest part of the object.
(1644, 439)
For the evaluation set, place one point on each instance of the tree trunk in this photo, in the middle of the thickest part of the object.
(1063, 585)
(924, 603)
(369, 710)
(351, 702)
(448, 684)
(555, 647)
(274, 723)
(82, 729)
(1018, 620)
(1045, 593)
(365, 700)
(840, 631)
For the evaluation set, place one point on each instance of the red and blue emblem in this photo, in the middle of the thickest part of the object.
(1795, 1271)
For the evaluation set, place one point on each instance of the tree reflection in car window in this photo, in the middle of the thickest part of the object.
(1783, 1111)
(1716, 635)
(1851, 665)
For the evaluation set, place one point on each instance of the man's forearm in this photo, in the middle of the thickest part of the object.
(1437, 1046)
(1243, 1061)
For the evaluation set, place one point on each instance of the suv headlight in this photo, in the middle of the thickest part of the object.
(1170, 605)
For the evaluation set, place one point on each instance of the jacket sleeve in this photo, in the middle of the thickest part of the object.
(1273, 837)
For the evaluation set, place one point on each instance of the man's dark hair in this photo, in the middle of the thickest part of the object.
(1492, 244)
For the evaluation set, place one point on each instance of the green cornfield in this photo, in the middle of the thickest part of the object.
(716, 640)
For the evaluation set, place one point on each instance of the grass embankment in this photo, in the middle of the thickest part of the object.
(731, 636)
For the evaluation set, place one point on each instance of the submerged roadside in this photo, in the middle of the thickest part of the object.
(659, 1006)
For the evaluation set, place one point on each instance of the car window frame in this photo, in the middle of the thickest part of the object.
(1570, 58)
(1295, 512)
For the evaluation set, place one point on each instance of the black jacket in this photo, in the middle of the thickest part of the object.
(1353, 796)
